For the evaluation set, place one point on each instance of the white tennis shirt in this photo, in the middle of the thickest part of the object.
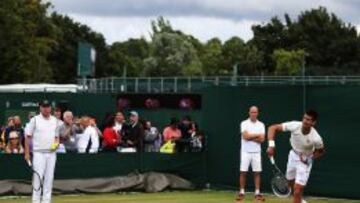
(252, 128)
(43, 132)
(304, 144)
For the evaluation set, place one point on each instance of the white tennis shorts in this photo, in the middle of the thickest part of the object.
(297, 170)
(253, 159)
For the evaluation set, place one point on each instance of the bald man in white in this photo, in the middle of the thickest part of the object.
(252, 135)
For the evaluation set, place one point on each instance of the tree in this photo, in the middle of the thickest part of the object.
(331, 43)
(268, 38)
(38, 47)
(171, 53)
(328, 40)
(288, 62)
(27, 37)
(212, 58)
(129, 54)
(64, 56)
(247, 57)
(161, 25)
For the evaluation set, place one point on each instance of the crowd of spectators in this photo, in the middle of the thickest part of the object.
(118, 133)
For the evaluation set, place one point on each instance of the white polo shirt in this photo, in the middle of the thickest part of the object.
(43, 132)
(304, 144)
(94, 137)
(252, 128)
(89, 133)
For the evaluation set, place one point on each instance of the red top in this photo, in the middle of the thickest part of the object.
(171, 134)
(110, 138)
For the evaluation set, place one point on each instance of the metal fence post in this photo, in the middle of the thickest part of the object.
(94, 85)
(136, 85)
(162, 85)
(217, 81)
(189, 84)
(107, 85)
(149, 85)
(83, 84)
(112, 84)
(101, 85)
(175, 84)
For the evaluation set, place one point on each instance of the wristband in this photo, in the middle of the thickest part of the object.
(271, 143)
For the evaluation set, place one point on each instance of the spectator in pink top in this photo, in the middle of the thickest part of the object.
(172, 132)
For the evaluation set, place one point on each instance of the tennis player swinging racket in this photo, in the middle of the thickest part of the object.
(307, 145)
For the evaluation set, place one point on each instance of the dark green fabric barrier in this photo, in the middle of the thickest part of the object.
(225, 108)
(71, 166)
(334, 176)
(339, 108)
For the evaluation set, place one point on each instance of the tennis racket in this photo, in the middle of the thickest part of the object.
(35, 175)
(279, 183)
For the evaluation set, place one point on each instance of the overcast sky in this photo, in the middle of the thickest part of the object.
(119, 20)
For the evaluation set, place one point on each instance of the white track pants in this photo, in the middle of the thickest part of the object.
(44, 164)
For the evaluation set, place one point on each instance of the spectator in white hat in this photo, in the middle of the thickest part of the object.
(136, 132)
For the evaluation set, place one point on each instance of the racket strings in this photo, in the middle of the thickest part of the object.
(281, 185)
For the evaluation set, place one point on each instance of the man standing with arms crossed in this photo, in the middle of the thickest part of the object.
(307, 145)
(43, 130)
(252, 135)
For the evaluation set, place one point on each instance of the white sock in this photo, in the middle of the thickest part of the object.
(257, 192)
(242, 191)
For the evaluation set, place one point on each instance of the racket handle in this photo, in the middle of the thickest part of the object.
(272, 160)
(29, 163)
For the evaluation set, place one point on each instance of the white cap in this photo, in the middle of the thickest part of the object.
(134, 113)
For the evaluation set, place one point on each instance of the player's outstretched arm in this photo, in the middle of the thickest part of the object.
(272, 130)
